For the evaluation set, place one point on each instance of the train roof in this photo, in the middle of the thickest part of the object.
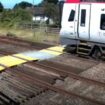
(78, 1)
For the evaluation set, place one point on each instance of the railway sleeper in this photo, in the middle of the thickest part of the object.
(35, 94)
(23, 100)
(6, 100)
(27, 86)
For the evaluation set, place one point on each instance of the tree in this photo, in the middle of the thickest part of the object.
(1, 7)
(23, 5)
(51, 10)
(51, 1)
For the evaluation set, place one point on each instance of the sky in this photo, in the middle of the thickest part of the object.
(11, 3)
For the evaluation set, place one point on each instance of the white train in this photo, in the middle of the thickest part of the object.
(83, 27)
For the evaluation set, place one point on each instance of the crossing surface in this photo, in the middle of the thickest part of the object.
(20, 58)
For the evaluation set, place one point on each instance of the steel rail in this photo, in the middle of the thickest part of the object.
(55, 88)
(23, 43)
(73, 75)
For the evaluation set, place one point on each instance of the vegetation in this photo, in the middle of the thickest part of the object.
(1, 7)
(51, 10)
(52, 1)
(23, 5)
(38, 35)
(22, 12)
(11, 18)
(52, 13)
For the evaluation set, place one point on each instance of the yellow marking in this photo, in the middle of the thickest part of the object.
(25, 57)
(1, 68)
(11, 61)
(51, 52)
(57, 48)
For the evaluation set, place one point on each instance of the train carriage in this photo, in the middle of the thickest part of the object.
(83, 26)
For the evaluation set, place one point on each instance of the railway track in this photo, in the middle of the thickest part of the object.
(60, 70)
(57, 68)
(4, 100)
(44, 75)
(23, 43)
(24, 75)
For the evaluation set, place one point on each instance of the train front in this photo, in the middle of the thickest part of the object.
(69, 14)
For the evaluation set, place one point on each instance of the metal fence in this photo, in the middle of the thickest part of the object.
(41, 27)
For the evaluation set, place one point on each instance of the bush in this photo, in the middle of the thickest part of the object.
(10, 18)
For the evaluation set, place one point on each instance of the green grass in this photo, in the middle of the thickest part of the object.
(38, 35)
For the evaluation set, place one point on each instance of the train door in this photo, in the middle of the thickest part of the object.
(97, 30)
(69, 20)
(84, 21)
(102, 26)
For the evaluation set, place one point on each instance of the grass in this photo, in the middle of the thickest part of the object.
(37, 35)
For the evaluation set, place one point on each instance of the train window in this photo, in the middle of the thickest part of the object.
(72, 15)
(83, 17)
(102, 25)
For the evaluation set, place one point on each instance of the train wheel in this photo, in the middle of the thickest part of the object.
(97, 54)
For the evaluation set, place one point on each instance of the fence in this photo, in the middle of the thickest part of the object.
(41, 27)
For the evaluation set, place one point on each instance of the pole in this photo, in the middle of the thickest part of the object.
(33, 19)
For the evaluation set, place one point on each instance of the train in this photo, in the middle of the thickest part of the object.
(83, 27)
